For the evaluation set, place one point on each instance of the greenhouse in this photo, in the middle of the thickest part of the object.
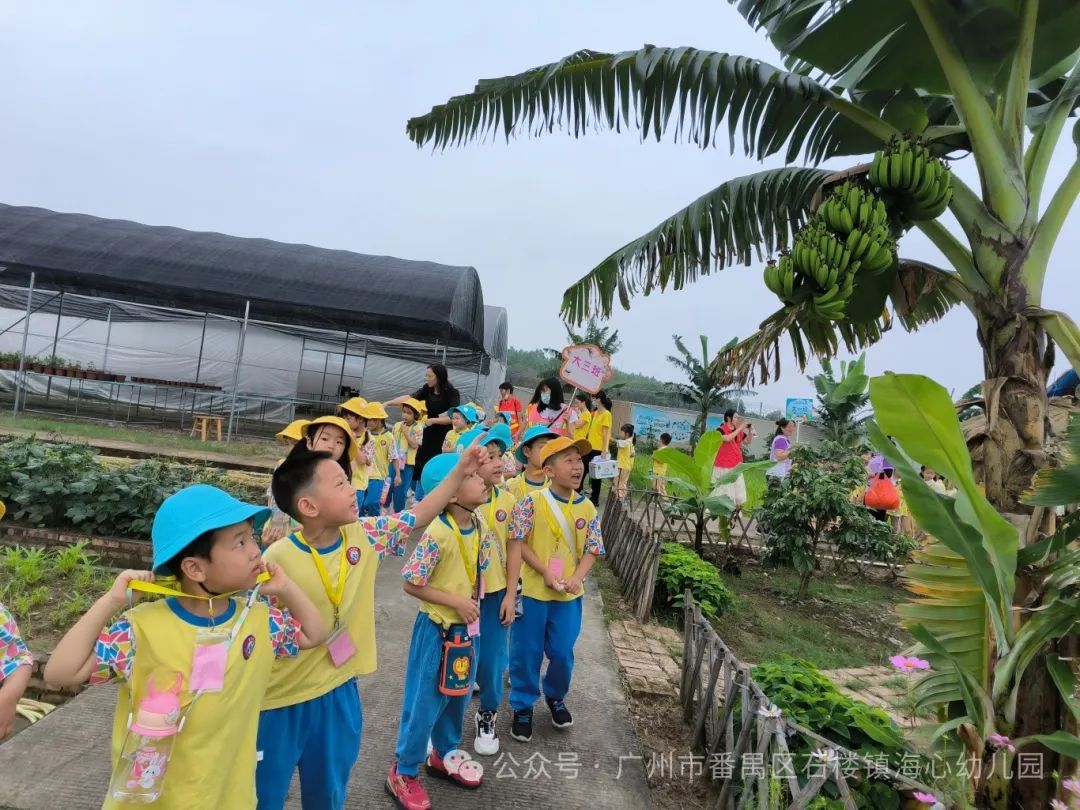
(121, 320)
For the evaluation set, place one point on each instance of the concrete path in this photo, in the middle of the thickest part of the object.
(61, 763)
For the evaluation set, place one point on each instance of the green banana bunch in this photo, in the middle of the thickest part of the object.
(931, 196)
(849, 207)
(910, 170)
(829, 305)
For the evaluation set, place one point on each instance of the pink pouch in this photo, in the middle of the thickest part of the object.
(208, 667)
(555, 566)
(340, 646)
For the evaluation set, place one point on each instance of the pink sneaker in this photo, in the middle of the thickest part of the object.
(456, 767)
(407, 791)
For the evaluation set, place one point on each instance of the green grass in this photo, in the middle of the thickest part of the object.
(173, 440)
(896, 682)
(842, 624)
(857, 684)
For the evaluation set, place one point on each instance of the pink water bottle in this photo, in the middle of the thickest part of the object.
(140, 774)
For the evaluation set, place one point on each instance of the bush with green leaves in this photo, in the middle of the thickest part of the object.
(680, 568)
(59, 486)
(810, 699)
(812, 506)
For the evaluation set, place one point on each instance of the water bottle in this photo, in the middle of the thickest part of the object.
(140, 775)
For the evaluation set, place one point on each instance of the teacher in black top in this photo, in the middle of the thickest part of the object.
(439, 396)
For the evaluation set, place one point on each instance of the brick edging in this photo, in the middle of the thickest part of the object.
(118, 551)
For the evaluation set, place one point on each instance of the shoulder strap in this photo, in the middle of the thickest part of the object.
(567, 533)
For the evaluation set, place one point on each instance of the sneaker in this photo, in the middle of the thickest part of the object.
(521, 729)
(406, 791)
(560, 715)
(486, 742)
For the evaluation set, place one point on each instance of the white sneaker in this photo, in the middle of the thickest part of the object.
(486, 742)
(430, 747)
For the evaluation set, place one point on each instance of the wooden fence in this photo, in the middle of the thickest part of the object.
(633, 552)
(745, 758)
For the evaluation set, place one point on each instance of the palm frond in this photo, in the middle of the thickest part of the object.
(744, 218)
(654, 89)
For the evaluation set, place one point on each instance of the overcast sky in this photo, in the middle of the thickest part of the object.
(287, 120)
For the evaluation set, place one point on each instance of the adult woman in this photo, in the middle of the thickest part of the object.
(546, 408)
(781, 448)
(438, 396)
(600, 438)
(730, 456)
(583, 416)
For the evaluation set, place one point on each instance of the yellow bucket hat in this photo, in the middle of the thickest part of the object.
(557, 445)
(374, 410)
(294, 430)
(354, 406)
(338, 422)
(416, 405)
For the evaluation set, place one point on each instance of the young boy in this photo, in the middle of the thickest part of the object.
(445, 573)
(659, 470)
(558, 532)
(384, 458)
(312, 715)
(16, 665)
(497, 599)
(408, 435)
(203, 537)
(528, 454)
(352, 410)
(462, 419)
(278, 525)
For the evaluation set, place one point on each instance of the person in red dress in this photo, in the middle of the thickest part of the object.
(736, 430)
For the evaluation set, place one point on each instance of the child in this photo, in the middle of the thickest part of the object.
(351, 410)
(445, 573)
(497, 599)
(528, 454)
(384, 458)
(558, 533)
(624, 458)
(278, 524)
(203, 537)
(582, 408)
(312, 716)
(462, 418)
(511, 406)
(659, 469)
(16, 666)
(408, 435)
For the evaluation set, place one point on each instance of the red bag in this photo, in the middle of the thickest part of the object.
(882, 495)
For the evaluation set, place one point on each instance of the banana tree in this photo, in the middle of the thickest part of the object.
(991, 82)
(704, 387)
(841, 401)
(965, 612)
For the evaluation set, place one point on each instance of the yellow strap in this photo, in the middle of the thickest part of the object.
(334, 595)
(491, 526)
(165, 590)
(556, 529)
(470, 571)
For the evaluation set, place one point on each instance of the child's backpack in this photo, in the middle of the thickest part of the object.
(882, 495)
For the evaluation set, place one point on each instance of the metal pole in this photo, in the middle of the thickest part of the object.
(325, 366)
(363, 368)
(236, 372)
(20, 377)
(55, 341)
(479, 369)
(202, 342)
(344, 354)
(108, 337)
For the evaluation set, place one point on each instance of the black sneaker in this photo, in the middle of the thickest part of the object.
(560, 715)
(521, 729)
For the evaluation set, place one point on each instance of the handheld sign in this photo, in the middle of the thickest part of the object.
(585, 367)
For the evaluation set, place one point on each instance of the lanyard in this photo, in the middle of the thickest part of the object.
(164, 590)
(465, 556)
(491, 525)
(333, 594)
(568, 518)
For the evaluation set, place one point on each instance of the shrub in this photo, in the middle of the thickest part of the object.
(681, 568)
(58, 486)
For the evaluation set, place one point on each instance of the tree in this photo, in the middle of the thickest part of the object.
(603, 337)
(991, 82)
(704, 388)
(841, 402)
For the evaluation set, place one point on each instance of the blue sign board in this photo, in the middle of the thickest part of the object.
(799, 409)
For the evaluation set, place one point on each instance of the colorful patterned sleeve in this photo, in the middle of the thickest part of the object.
(13, 650)
(594, 540)
(284, 633)
(521, 519)
(114, 653)
(486, 550)
(421, 565)
(389, 533)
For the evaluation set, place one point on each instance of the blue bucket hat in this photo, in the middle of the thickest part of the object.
(192, 512)
(436, 470)
(531, 435)
(468, 437)
(498, 434)
(468, 411)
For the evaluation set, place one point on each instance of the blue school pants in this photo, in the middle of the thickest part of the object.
(322, 737)
(360, 495)
(371, 507)
(426, 713)
(544, 629)
(492, 653)
(401, 491)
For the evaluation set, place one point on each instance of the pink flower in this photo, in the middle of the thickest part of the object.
(925, 798)
(906, 664)
(1072, 786)
(1001, 741)
(1057, 804)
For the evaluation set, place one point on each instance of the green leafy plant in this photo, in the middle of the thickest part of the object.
(841, 401)
(967, 584)
(704, 389)
(693, 487)
(70, 558)
(812, 506)
(680, 568)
